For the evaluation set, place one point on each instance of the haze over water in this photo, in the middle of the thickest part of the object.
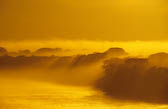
(34, 88)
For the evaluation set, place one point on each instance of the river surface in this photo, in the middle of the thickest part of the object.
(28, 94)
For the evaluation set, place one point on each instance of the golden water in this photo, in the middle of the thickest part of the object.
(28, 94)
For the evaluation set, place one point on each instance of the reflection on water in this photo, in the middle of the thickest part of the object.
(24, 94)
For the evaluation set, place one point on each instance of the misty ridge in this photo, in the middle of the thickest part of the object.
(114, 72)
(38, 52)
(47, 57)
(65, 69)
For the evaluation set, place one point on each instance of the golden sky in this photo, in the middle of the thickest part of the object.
(111, 20)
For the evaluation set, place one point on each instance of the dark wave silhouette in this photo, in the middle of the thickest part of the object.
(136, 79)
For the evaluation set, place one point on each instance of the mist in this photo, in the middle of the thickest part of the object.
(114, 72)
